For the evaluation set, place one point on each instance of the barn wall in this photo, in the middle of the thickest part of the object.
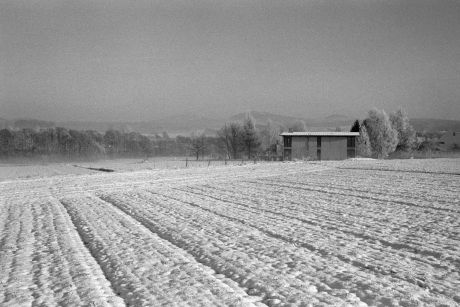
(312, 147)
(299, 148)
(333, 148)
(304, 148)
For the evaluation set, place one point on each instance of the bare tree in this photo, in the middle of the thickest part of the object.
(230, 136)
(270, 137)
(249, 137)
(198, 145)
(6, 142)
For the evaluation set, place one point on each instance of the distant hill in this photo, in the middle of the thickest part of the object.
(32, 123)
(435, 125)
(337, 117)
(185, 124)
(178, 124)
(315, 124)
(262, 118)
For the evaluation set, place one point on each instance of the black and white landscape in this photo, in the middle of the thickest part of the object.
(187, 153)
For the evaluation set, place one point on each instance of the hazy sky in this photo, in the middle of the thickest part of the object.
(141, 60)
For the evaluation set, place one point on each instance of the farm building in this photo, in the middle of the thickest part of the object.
(450, 140)
(319, 145)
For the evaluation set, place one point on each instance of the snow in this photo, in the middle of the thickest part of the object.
(355, 232)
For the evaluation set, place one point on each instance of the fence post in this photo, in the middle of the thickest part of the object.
(209, 162)
(186, 162)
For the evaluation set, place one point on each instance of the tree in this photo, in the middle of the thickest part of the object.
(146, 146)
(198, 145)
(230, 136)
(133, 143)
(363, 146)
(298, 126)
(383, 138)
(6, 142)
(356, 126)
(249, 137)
(269, 137)
(115, 142)
(406, 133)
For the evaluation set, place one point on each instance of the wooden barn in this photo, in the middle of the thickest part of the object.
(319, 145)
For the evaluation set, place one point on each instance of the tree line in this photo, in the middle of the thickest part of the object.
(244, 140)
(380, 135)
(71, 143)
(233, 141)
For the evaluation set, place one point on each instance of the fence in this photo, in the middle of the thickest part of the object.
(193, 163)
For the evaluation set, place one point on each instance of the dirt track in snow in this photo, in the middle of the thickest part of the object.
(331, 233)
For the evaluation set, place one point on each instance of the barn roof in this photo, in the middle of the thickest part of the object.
(306, 133)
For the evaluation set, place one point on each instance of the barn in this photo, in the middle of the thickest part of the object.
(319, 145)
(450, 140)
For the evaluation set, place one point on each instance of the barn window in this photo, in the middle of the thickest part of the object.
(351, 151)
(318, 148)
(287, 141)
(351, 141)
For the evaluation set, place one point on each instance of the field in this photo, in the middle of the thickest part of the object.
(348, 233)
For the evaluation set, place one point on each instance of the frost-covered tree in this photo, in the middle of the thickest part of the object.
(406, 133)
(382, 136)
(298, 126)
(363, 145)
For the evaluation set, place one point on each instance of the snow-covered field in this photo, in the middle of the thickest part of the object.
(348, 233)
(32, 169)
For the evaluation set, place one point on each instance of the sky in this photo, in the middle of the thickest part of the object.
(117, 60)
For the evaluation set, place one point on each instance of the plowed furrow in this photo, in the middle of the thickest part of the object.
(143, 268)
(193, 227)
(373, 256)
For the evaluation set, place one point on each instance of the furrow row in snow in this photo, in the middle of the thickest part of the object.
(43, 262)
(451, 207)
(144, 269)
(255, 261)
(357, 252)
(443, 225)
(259, 251)
(365, 219)
(404, 189)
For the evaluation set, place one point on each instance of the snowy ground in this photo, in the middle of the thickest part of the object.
(349, 233)
(29, 169)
